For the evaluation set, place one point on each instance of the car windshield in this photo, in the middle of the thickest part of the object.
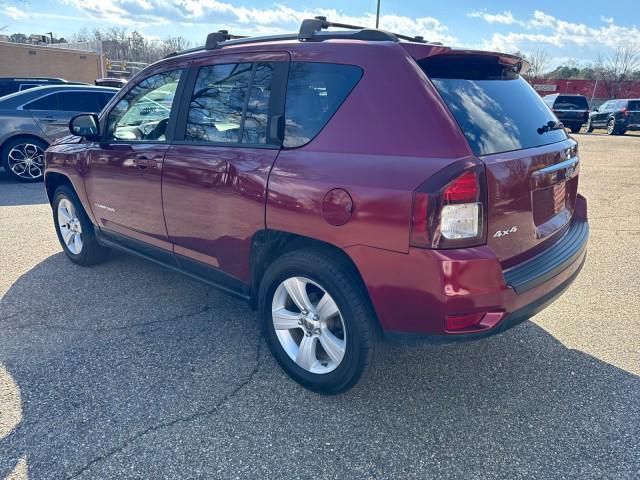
(568, 102)
(496, 109)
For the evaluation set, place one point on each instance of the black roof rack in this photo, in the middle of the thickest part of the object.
(312, 29)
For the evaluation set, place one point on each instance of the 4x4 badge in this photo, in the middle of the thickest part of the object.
(503, 233)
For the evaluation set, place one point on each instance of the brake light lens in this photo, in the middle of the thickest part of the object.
(449, 209)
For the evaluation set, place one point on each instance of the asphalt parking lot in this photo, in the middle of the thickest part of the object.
(127, 370)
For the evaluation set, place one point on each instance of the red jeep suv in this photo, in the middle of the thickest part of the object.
(346, 183)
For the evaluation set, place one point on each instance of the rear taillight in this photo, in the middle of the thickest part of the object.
(625, 112)
(449, 209)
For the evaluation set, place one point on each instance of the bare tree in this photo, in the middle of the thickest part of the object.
(539, 62)
(614, 69)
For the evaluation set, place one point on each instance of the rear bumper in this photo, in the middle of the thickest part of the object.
(418, 291)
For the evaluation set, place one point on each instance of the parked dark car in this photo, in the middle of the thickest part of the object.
(111, 82)
(31, 119)
(9, 85)
(448, 206)
(571, 110)
(617, 116)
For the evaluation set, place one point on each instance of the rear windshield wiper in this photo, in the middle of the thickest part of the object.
(550, 125)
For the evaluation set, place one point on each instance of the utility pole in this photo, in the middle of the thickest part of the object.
(50, 36)
(378, 15)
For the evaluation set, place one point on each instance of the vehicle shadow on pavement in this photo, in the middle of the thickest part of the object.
(14, 193)
(127, 370)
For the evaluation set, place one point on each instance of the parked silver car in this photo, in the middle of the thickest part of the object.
(30, 120)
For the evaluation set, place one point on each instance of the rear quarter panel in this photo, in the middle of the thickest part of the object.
(387, 138)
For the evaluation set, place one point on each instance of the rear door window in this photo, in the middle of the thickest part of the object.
(79, 102)
(315, 91)
(496, 109)
(48, 102)
(230, 104)
(570, 102)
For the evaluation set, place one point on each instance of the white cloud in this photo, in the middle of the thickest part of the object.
(505, 18)
(14, 12)
(244, 20)
(543, 29)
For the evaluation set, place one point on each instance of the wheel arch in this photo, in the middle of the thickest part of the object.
(52, 180)
(33, 136)
(268, 245)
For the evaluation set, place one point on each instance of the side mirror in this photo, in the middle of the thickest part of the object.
(594, 109)
(85, 125)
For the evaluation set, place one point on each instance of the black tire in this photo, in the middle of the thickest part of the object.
(575, 128)
(91, 252)
(360, 323)
(589, 126)
(611, 127)
(20, 172)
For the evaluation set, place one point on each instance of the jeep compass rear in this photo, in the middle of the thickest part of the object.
(345, 183)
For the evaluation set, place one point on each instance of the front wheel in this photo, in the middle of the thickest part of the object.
(611, 127)
(317, 321)
(575, 128)
(74, 229)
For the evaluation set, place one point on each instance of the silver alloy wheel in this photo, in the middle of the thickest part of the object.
(309, 325)
(26, 161)
(610, 126)
(70, 227)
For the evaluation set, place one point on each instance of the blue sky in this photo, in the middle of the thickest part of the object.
(566, 30)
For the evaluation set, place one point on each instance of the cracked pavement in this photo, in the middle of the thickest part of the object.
(127, 370)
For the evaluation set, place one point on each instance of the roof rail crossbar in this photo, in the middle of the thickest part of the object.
(311, 27)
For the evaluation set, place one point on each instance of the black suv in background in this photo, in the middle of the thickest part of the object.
(617, 116)
(10, 85)
(571, 110)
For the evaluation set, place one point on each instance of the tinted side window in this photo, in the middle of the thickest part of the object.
(315, 91)
(143, 113)
(634, 105)
(104, 98)
(217, 103)
(50, 102)
(78, 102)
(254, 128)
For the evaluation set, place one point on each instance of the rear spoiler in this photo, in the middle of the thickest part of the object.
(420, 52)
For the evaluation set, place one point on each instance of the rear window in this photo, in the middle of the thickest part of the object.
(570, 102)
(634, 105)
(496, 109)
(315, 91)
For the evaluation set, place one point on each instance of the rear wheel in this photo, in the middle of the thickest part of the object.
(317, 321)
(74, 229)
(23, 159)
(575, 128)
